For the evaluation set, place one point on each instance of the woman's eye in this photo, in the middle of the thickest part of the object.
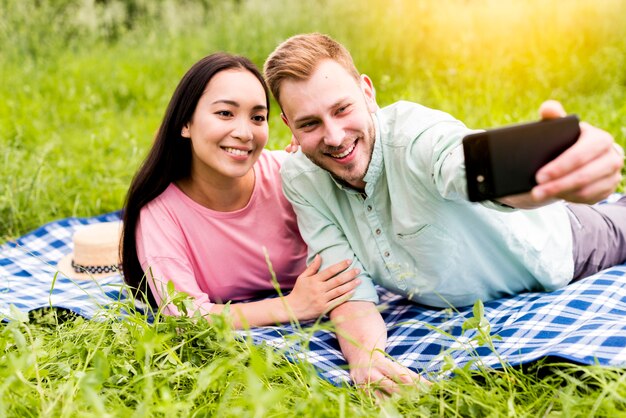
(259, 118)
(224, 113)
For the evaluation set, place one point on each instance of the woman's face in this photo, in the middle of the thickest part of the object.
(228, 129)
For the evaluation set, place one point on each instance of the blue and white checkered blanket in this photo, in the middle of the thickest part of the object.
(584, 322)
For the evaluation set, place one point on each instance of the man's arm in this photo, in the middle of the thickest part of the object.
(316, 212)
(362, 336)
(360, 328)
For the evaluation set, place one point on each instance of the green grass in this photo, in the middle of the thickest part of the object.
(84, 85)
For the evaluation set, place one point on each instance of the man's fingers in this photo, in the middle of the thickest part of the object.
(595, 180)
(598, 170)
(591, 144)
(385, 387)
(403, 375)
(593, 193)
(551, 109)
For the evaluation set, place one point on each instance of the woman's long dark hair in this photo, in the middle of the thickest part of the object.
(169, 158)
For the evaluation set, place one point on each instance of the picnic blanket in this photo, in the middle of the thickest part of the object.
(584, 322)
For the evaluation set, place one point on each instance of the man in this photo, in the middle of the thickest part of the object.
(386, 188)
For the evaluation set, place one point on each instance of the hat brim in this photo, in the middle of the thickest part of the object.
(65, 268)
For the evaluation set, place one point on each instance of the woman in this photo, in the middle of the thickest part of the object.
(206, 207)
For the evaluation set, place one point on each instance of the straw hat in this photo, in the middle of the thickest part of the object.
(96, 252)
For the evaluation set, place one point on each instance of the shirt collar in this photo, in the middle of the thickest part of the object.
(375, 168)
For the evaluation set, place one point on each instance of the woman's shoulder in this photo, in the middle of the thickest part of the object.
(269, 163)
(166, 203)
(273, 158)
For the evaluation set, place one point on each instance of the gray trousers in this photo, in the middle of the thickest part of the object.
(599, 236)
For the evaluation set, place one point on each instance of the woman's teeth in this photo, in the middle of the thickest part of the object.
(235, 151)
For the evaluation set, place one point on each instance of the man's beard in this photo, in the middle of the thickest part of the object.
(345, 180)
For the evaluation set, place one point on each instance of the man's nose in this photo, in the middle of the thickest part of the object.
(333, 135)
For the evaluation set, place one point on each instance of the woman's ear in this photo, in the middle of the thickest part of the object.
(369, 92)
(185, 131)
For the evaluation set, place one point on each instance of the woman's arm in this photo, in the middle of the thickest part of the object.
(313, 295)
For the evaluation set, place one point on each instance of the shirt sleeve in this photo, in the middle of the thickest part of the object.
(163, 255)
(438, 151)
(324, 237)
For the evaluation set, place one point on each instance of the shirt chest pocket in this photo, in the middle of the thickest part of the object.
(431, 249)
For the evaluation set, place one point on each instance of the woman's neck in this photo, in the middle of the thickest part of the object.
(224, 195)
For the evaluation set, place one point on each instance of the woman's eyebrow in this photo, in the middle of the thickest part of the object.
(235, 104)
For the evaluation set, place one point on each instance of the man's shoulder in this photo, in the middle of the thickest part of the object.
(298, 165)
(409, 114)
(402, 123)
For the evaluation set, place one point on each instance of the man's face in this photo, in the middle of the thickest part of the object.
(330, 114)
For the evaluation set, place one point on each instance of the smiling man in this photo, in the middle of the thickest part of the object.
(386, 188)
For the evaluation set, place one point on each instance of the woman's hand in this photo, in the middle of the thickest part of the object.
(293, 145)
(316, 293)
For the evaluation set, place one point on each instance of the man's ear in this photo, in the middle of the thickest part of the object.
(369, 92)
(284, 118)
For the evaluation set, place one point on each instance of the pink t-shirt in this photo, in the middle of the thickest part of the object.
(215, 256)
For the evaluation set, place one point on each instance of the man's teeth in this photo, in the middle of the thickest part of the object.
(343, 154)
(235, 151)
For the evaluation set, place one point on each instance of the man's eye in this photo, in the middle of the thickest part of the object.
(343, 109)
(308, 124)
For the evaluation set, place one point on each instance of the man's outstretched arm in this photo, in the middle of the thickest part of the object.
(362, 335)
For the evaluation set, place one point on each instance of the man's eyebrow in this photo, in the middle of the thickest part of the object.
(235, 104)
(304, 118)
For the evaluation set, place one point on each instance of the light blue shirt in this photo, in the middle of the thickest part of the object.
(414, 232)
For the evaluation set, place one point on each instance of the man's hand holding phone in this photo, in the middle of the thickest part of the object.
(543, 161)
(587, 172)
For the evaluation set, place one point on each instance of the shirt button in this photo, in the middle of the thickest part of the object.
(386, 253)
(369, 208)
(378, 231)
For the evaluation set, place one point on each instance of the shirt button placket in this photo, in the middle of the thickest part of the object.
(382, 244)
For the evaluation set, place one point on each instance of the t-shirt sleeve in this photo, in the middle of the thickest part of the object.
(279, 155)
(163, 254)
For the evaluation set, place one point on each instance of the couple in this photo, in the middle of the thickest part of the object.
(379, 196)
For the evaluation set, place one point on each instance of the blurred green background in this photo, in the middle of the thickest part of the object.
(84, 83)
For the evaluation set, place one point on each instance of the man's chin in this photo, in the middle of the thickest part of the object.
(347, 179)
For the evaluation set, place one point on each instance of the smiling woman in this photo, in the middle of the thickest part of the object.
(228, 131)
(206, 208)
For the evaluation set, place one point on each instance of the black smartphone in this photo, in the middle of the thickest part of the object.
(503, 161)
